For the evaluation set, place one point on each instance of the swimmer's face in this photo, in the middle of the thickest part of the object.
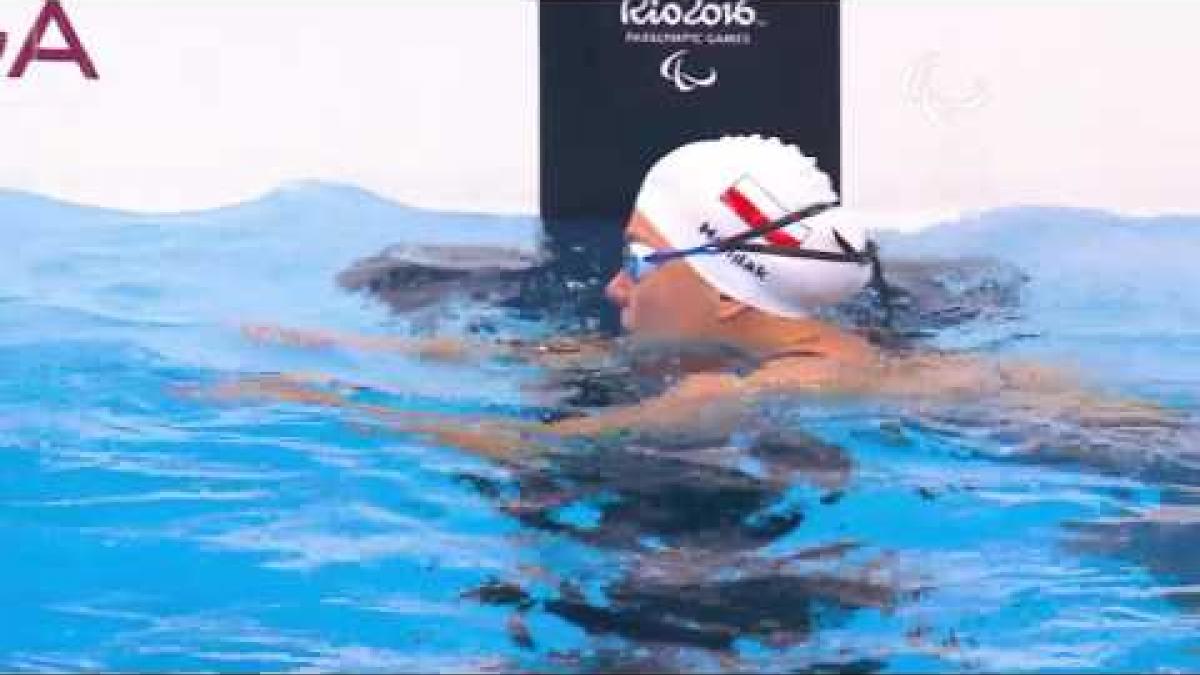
(670, 302)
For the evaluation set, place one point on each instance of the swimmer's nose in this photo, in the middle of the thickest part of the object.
(618, 289)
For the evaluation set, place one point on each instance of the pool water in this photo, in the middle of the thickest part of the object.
(146, 529)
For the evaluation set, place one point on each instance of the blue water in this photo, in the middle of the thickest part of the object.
(146, 529)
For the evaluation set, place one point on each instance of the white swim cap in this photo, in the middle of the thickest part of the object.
(709, 190)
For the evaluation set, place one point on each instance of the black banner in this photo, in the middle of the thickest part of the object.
(625, 81)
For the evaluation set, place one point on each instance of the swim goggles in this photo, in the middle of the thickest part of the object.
(640, 260)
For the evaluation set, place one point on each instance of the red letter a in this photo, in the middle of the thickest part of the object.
(33, 51)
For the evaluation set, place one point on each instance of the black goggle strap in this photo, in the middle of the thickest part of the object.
(868, 256)
(794, 217)
(738, 241)
(788, 252)
(848, 254)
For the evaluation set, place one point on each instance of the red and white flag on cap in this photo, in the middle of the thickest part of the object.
(757, 208)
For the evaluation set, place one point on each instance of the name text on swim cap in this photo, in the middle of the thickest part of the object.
(740, 258)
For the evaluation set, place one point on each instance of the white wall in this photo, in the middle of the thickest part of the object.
(947, 105)
(207, 102)
(963, 105)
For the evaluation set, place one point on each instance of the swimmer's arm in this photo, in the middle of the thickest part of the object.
(507, 439)
(693, 402)
(680, 407)
(495, 438)
(441, 349)
(702, 398)
(558, 352)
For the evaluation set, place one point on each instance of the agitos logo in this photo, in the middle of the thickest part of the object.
(32, 48)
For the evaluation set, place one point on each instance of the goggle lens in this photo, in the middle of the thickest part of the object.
(639, 261)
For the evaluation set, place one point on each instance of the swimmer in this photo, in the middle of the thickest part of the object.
(735, 241)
